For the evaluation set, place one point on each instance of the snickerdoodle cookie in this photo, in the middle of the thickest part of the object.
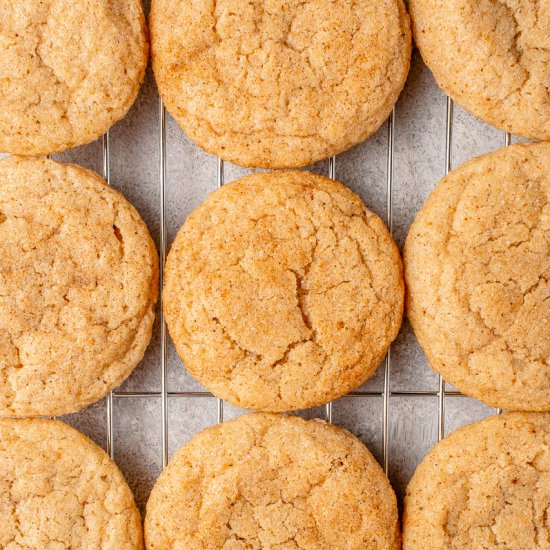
(68, 70)
(492, 57)
(281, 83)
(78, 287)
(486, 486)
(60, 490)
(273, 481)
(283, 291)
(477, 264)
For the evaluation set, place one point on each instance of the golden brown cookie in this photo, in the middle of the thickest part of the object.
(283, 291)
(273, 481)
(477, 265)
(78, 287)
(60, 490)
(486, 486)
(492, 57)
(68, 70)
(281, 83)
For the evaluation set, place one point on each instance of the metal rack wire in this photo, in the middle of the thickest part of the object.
(385, 394)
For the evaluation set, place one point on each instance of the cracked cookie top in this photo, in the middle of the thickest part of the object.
(78, 287)
(283, 291)
(60, 490)
(477, 264)
(492, 57)
(486, 486)
(68, 70)
(273, 481)
(279, 83)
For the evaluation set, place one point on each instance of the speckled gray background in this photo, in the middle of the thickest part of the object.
(418, 163)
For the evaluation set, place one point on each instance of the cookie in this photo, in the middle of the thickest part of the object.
(477, 265)
(68, 70)
(282, 83)
(78, 287)
(485, 486)
(273, 481)
(60, 490)
(283, 291)
(492, 57)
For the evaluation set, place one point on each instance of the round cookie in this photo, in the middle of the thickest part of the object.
(477, 266)
(492, 57)
(68, 70)
(486, 486)
(273, 481)
(283, 291)
(282, 83)
(60, 490)
(78, 287)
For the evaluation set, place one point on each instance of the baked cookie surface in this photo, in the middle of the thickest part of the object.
(68, 70)
(492, 57)
(60, 490)
(283, 291)
(477, 266)
(282, 83)
(485, 486)
(78, 287)
(273, 481)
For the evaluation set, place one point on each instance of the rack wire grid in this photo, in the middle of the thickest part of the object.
(386, 394)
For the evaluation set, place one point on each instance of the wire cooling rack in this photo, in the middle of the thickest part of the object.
(386, 394)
